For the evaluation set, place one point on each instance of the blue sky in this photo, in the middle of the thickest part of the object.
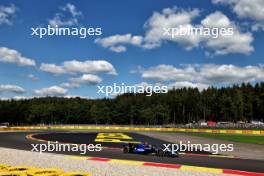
(131, 49)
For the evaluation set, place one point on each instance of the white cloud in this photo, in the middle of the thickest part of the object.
(168, 73)
(118, 49)
(21, 98)
(231, 74)
(51, 91)
(177, 85)
(11, 88)
(52, 68)
(116, 42)
(72, 9)
(87, 79)
(202, 75)
(17, 98)
(74, 66)
(70, 85)
(252, 9)
(7, 12)
(4, 98)
(171, 18)
(186, 84)
(89, 66)
(32, 77)
(236, 43)
(61, 19)
(247, 9)
(14, 57)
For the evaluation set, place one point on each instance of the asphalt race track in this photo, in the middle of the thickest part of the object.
(90, 138)
(18, 140)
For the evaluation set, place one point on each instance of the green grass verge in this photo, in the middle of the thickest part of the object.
(251, 139)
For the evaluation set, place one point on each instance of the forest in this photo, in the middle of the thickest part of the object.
(243, 102)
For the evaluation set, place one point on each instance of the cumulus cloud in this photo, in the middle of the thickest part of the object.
(186, 84)
(22, 98)
(169, 73)
(70, 85)
(118, 49)
(170, 18)
(230, 74)
(174, 18)
(32, 77)
(237, 43)
(203, 75)
(51, 91)
(253, 9)
(183, 20)
(89, 66)
(6, 13)
(52, 68)
(176, 85)
(245, 9)
(116, 42)
(74, 66)
(87, 79)
(11, 88)
(14, 57)
(69, 16)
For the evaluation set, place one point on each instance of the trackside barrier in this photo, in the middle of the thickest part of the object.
(6, 170)
(119, 128)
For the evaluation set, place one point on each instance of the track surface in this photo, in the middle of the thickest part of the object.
(18, 140)
(89, 138)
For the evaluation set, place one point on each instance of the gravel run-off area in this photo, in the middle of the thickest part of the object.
(47, 160)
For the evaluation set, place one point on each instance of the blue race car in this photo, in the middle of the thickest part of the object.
(139, 148)
(144, 148)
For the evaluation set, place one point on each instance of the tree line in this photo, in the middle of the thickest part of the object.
(243, 102)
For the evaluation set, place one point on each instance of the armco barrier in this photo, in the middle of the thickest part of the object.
(121, 128)
(6, 170)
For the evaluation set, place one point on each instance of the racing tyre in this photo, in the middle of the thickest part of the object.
(160, 153)
(126, 150)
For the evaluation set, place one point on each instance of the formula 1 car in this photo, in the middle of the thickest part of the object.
(147, 149)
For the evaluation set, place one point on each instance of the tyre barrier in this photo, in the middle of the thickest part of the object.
(6, 170)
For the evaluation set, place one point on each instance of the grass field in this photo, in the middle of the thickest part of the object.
(233, 137)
